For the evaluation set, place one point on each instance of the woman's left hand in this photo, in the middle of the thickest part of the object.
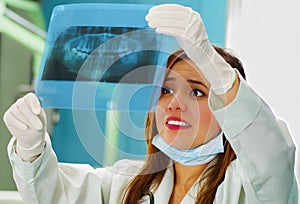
(188, 28)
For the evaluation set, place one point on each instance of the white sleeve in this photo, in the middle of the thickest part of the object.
(47, 181)
(265, 151)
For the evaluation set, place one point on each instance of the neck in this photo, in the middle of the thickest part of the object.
(187, 175)
(184, 179)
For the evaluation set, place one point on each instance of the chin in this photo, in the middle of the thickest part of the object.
(178, 142)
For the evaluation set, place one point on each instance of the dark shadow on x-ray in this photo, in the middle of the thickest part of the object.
(79, 54)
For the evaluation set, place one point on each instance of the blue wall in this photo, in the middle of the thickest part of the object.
(213, 12)
(66, 143)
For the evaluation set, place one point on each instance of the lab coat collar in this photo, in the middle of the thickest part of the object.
(163, 193)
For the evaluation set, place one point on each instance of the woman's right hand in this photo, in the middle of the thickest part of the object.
(26, 121)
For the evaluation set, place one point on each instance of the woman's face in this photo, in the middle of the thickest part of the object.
(183, 117)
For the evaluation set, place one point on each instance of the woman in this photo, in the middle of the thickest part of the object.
(184, 97)
(210, 140)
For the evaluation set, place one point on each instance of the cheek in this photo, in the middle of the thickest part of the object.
(208, 125)
(201, 114)
(205, 116)
(160, 114)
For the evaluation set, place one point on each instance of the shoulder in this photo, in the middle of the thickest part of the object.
(286, 133)
(123, 168)
(235, 187)
(126, 166)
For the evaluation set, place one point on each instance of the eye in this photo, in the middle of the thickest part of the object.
(165, 90)
(197, 93)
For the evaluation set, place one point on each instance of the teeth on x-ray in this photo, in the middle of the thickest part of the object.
(77, 49)
(90, 55)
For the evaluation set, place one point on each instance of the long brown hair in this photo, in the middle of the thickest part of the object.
(157, 162)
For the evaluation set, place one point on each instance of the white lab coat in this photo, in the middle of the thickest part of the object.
(262, 173)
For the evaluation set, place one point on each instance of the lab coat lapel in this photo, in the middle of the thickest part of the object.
(191, 195)
(164, 190)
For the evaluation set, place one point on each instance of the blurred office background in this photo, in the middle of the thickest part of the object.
(265, 35)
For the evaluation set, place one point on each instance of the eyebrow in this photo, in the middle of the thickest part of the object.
(189, 80)
(197, 82)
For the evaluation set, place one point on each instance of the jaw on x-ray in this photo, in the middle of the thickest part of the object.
(103, 54)
(106, 55)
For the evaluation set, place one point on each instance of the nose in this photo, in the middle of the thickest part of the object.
(177, 103)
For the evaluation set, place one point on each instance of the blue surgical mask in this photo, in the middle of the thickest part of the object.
(191, 157)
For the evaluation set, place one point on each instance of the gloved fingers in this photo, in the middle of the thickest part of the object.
(170, 31)
(34, 102)
(42, 117)
(19, 114)
(36, 107)
(12, 122)
(169, 7)
(161, 13)
(175, 20)
(168, 23)
(26, 114)
(169, 15)
(168, 27)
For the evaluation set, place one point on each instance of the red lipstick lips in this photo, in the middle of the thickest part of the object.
(176, 123)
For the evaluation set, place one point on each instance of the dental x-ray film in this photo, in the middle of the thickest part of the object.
(102, 57)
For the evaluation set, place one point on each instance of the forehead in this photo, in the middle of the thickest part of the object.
(187, 69)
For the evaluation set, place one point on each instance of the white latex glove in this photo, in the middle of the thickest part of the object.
(26, 121)
(188, 28)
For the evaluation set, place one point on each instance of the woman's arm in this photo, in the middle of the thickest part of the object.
(265, 151)
(45, 181)
(38, 175)
(229, 96)
(35, 168)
